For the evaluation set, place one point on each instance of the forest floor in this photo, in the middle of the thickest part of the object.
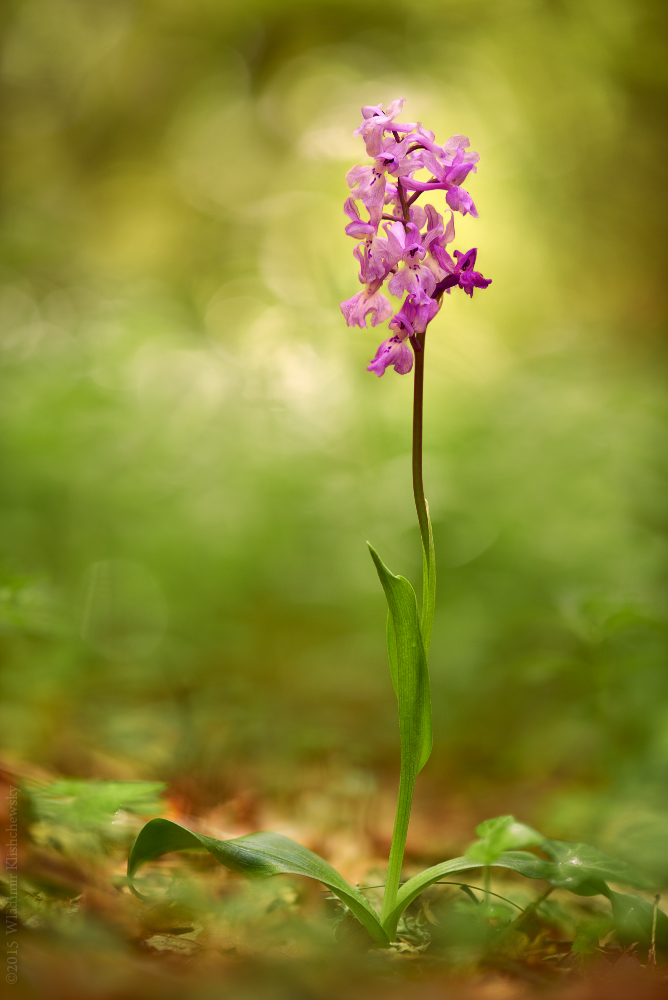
(74, 930)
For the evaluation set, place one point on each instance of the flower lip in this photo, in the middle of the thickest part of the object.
(368, 302)
(395, 352)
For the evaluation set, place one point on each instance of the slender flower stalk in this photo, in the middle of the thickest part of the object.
(418, 410)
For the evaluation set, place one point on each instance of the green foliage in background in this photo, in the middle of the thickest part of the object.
(193, 454)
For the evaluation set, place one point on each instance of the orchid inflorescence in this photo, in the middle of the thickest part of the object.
(413, 252)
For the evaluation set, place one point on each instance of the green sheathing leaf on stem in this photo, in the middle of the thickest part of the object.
(408, 666)
(410, 676)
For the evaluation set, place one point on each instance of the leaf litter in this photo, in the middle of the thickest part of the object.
(201, 926)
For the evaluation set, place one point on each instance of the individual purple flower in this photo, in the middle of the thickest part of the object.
(450, 165)
(368, 302)
(404, 244)
(370, 181)
(393, 351)
(376, 122)
(437, 233)
(372, 255)
(414, 316)
(357, 227)
(468, 278)
(460, 271)
(370, 184)
(395, 159)
(454, 152)
(460, 200)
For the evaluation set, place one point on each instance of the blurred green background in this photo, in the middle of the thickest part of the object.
(193, 454)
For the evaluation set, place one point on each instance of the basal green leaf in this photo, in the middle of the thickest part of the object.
(256, 855)
(634, 918)
(503, 833)
(581, 867)
(519, 861)
(410, 668)
(92, 804)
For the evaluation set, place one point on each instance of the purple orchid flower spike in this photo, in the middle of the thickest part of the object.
(412, 257)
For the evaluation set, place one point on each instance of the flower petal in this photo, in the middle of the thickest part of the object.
(460, 200)
(395, 352)
(365, 303)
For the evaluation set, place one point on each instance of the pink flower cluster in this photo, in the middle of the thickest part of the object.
(412, 254)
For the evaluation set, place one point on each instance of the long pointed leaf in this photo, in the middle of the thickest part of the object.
(580, 866)
(412, 676)
(257, 855)
(518, 861)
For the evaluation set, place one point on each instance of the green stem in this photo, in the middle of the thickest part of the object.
(531, 908)
(401, 819)
(418, 407)
(428, 557)
(465, 885)
(486, 884)
(407, 778)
